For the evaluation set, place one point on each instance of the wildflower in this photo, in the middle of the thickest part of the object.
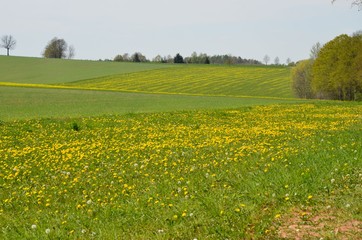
(277, 216)
(310, 197)
(47, 231)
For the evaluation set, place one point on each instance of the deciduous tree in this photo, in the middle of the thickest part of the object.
(56, 48)
(71, 52)
(302, 76)
(357, 3)
(276, 61)
(336, 69)
(315, 51)
(8, 42)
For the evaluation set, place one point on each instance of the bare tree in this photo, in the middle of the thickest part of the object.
(71, 52)
(266, 59)
(357, 3)
(315, 51)
(277, 61)
(8, 42)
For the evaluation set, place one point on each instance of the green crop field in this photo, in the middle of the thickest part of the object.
(149, 151)
(28, 103)
(202, 79)
(50, 71)
(66, 88)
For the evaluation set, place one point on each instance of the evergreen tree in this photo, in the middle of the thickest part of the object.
(178, 59)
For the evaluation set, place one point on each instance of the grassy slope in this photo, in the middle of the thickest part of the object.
(202, 79)
(38, 102)
(50, 71)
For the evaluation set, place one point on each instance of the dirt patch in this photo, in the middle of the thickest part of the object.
(311, 224)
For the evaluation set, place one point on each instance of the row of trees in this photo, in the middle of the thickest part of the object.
(333, 71)
(195, 58)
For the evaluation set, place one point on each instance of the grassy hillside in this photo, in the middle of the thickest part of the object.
(29, 87)
(50, 71)
(258, 81)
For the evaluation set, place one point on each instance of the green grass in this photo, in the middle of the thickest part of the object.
(28, 103)
(51, 71)
(42, 88)
(257, 81)
(123, 164)
(215, 174)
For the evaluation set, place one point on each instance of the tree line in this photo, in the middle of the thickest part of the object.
(59, 48)
(333, 71)
(195, 58)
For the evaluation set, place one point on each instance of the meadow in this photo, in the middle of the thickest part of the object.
(204, 164)
(213, 174)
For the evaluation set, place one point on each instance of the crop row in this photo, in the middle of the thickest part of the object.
(208, 80)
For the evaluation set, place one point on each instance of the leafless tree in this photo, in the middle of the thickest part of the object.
(71, 52)
(315, 51)
(357, 3)
(276, 61)
(8, 42)
(266, 59)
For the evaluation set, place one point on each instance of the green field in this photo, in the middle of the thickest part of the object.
(143, 151)
(253, 81)
(66, 88)
(52, 71)
(28, 103)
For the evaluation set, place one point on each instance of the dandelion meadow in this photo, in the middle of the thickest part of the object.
(244, 173)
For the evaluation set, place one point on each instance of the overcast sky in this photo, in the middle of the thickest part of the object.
(246, 28)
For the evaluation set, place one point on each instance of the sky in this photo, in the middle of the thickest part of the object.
(246, 28)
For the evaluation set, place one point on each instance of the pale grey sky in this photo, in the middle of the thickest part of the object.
(250, 29)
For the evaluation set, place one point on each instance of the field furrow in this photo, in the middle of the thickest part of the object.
(205, 80)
